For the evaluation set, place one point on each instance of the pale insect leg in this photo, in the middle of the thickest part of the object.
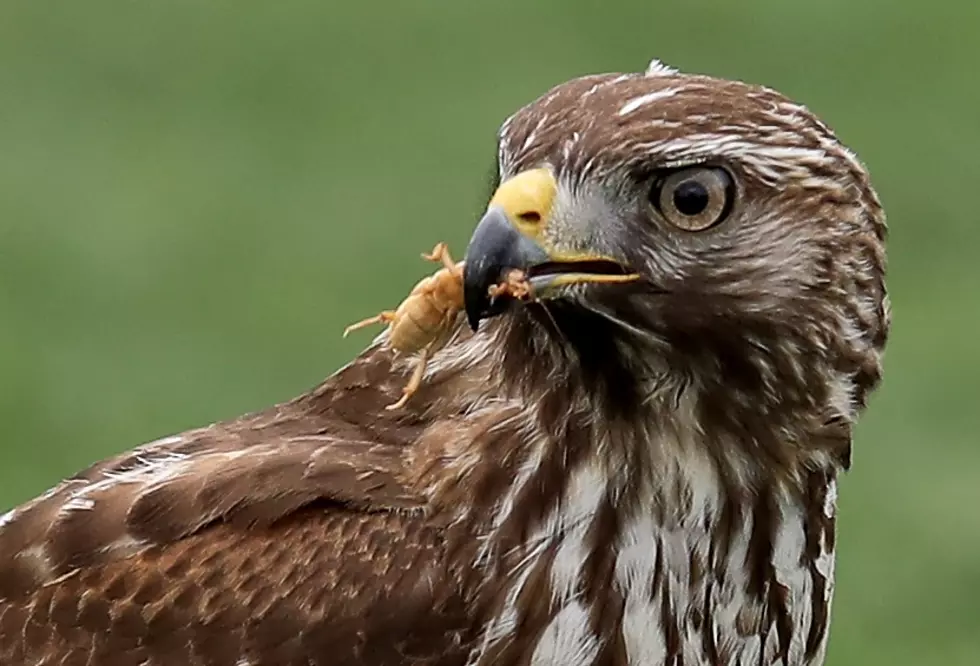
(385, 317)
(440, 253)
(415, 381)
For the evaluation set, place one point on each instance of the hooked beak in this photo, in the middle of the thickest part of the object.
(511, 235)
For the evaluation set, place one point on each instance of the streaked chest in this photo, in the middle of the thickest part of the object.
(682, 575)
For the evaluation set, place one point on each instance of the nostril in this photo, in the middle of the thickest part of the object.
(531, 217)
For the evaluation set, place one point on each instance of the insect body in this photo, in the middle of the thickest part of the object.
(423, 322)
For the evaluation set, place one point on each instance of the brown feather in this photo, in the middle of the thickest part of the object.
(613, 477)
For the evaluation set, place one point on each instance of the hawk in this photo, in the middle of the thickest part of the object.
(642, 473)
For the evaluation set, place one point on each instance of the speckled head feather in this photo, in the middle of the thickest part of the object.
(636, 474)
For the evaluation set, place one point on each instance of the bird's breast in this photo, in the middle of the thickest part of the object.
(710, 584)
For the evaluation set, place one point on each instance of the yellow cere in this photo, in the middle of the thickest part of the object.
(527, 199)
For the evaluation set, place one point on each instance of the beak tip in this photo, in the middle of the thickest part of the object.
(474, 297)
(495, 246)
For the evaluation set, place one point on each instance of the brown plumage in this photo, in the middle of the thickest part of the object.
(635, 473)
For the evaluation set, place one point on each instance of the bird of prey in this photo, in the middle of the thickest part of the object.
(640, 474)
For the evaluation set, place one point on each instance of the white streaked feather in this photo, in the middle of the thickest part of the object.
(641, 101)
(787, 561)
(635, 563)
(659, 68)
(502, 625)
(7, 517)
(506, 504)
(568, 640)
(585, 491)
(78, 504)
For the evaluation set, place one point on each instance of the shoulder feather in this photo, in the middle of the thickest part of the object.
(247, 473)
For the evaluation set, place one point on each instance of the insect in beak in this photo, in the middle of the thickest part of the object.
(499, 246)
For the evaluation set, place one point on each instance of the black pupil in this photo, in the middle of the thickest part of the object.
(691, 197)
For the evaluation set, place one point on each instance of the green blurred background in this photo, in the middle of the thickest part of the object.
(196, 197)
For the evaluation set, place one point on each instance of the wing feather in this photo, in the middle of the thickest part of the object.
(263, 540)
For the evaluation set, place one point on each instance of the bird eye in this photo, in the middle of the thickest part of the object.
(695, 198)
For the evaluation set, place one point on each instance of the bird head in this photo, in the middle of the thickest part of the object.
(754, 237)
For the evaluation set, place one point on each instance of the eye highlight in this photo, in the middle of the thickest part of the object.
(694, 198)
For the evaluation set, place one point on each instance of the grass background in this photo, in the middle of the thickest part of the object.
(195, 197)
